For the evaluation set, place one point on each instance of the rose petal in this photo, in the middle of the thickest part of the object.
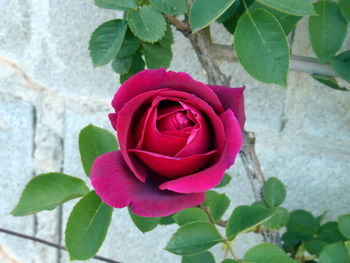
(124, 122)
(113, 119)
(174, 167)
(117, 186)
(208, 178)
(205, 109)
(232, 98)
(176, 121)
(199, 140)
(164, 111)
(128, 113)
(148, 80)
(154, 141)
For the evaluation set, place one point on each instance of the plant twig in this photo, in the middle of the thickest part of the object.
(179, 25)
(51, 244)
(202, 47)
(256, 177)
(222, 223)
(224, 240)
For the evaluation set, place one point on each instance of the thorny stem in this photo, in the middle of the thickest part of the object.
(201, 46)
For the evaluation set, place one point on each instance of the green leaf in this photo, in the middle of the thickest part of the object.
(260, 33)
(245, 218)
(344, 225)
(291, 239)
(274, 192)
(347, 245)
(116, 4)
(259, 204)
(330, 233)
(130, 45)
(218, 206)
(106, 41)
(334, 253)
(291, 7)
(322, 217)
(122, 65)
(328, 81)
(147, 23)
(168, 38)
(229, 12)
(345, 9)
(172, 7)
(47, 191)
(87, 227)
(189, 215)
(303, 222)
(278, 220)
(205, 257)
(229, 260)
(225, 181)
(204, 12)
(231, 22)
(315, 246)
(288, 22)
(193, 238)
(209, 195)
(167, 220)
(93, 142)
(144, 224)
(157, 56)
(137, 65)
(267, 253)
(325, 40)
(341, 65)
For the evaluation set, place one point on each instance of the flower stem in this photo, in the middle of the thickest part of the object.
(224, 240)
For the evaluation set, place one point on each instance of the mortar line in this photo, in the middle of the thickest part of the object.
(59, 233)
(34, 125)
(60, 209)
(283, 118)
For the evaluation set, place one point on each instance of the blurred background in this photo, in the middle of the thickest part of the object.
(49, 91)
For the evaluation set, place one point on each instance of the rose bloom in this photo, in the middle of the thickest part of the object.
(177, 137)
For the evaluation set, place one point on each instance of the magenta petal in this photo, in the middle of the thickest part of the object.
(208, 178)
(174, 167)
(113, 118)
(232, 98)
(205, 109)
(118, 187)
(199, 140)
(154, 141)
(148, 80)
(124, 123)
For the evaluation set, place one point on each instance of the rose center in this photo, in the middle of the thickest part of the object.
(178, 120)
(181, 120)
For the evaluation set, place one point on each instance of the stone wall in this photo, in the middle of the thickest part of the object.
(49, 91)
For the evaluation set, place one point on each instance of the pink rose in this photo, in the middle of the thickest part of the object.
(177, 137)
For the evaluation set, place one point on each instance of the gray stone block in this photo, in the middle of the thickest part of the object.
(16, 150)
